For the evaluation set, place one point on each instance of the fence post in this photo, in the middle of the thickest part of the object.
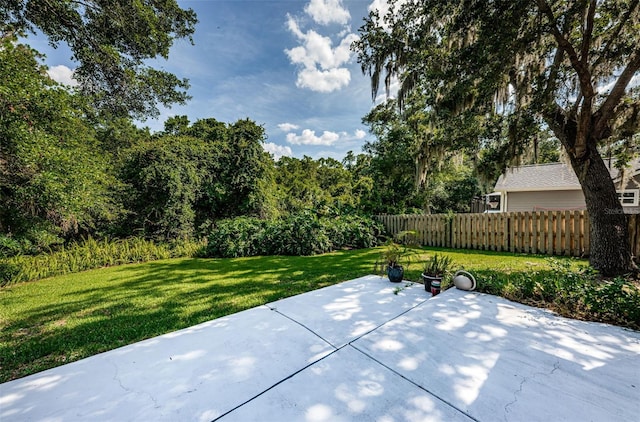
(534, 232)
(587, 234)
(577, 235)
(557, 249)
(550, 233)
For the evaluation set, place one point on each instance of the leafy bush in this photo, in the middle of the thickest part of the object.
(354, 232)
(299, 234)
(9, 246)
(8, 272)
(90, 254)
(232, 238)
(574, 293)
(616, 301)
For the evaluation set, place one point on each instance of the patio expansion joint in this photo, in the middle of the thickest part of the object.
(437, 397)
(335, 347)
(274, 385)
(306, 328)
(338, 347)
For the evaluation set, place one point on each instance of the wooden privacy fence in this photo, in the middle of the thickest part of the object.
(543, 232)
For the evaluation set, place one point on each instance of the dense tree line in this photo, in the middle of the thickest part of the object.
(73, 164)
(66, 173)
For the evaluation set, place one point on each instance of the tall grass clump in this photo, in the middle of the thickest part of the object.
(296, 235)
(89, 254)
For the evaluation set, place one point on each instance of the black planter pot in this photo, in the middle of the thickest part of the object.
(427, 279)
(395, 274)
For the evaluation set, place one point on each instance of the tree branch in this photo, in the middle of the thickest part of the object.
(605, 113)
(588, 32)
(561, 126)
(614, 34)
(584, 76)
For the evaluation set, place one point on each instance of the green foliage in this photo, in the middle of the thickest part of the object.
(578, 293)
(394, 255)
(297, 234)
(391, 165)
(237, 237)
(300, 234)
(89, 254)
(112, 42)
(54, 180)
(184, 180)
(453, 188)
(437, 265)
(8, 273)
(413, 167)
(353, 232)
(323, 185)
(9, 246)
(616, 301)
(164, 179)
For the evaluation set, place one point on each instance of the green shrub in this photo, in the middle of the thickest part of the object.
(576, 293)
(236, 237)
(8, 272)
(299, 234)
(354, 232)
(616, 301)
(9, 246)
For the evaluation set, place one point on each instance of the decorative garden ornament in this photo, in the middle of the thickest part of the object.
(464, 281)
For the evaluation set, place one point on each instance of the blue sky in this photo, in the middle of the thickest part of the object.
(285, 64)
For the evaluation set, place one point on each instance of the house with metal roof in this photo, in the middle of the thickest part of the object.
(555, 187)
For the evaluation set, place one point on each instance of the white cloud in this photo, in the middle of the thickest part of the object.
(308, 137)
(321, 63)
(318, 50)
(327, 11)
(357, 135)
(62, 74)
(383, 7)
(323, 80)
(287, 127)
(277, 150)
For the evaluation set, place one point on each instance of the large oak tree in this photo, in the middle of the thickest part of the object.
(568, 66)
(111, 40)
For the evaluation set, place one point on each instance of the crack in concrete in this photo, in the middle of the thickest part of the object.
(556, 366)
(117, 379)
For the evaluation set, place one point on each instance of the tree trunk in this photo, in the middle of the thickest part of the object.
(609, 234)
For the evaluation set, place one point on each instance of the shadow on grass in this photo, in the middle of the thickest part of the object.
(113, 307)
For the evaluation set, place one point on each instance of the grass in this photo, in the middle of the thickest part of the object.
(58, 320)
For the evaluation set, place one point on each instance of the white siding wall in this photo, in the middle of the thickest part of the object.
(547, 200)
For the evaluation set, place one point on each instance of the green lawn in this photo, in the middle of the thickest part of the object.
(51, 322)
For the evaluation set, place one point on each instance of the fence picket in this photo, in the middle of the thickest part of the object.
(547, 232)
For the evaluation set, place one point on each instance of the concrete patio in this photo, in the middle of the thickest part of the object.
(359, 350)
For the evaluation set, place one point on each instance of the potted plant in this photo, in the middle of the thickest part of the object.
(391, 260)
(434, 270)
